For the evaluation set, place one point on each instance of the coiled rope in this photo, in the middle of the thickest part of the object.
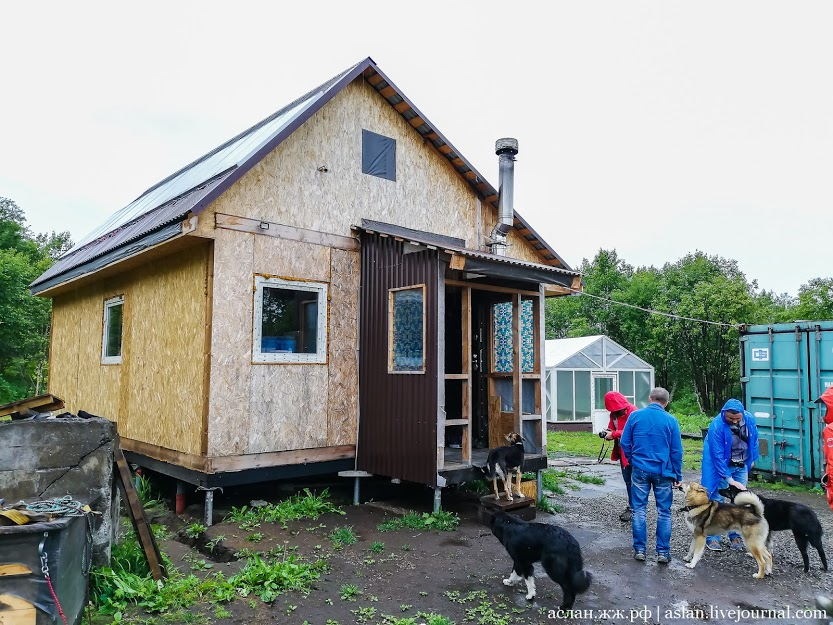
(58, 506)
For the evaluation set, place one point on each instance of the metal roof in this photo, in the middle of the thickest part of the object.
(180, 193)
(450, 245)
(597, 352)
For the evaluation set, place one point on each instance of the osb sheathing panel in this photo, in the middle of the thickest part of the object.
(164, 357)
(288, 407)
(342, 411)
(286, 186)
(290, 259)
(231, 344)
(156, 394)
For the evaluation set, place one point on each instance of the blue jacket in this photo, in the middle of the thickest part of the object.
(717, 448)
(651, 441)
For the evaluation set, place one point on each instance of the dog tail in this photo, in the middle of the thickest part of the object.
(745, 498)
(581, 581)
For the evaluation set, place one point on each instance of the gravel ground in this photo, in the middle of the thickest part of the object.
(720, 579)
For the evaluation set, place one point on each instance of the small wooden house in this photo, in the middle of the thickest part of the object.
(334, 288)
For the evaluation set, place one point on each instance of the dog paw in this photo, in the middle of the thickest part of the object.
(687, 558)
(507, 582)
(689, 565)
(509, 498)
(530, 597)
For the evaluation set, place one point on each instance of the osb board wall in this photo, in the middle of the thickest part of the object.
(256, 408)
(286, 186)
(156, 395)
(76, 374)
(342, 411)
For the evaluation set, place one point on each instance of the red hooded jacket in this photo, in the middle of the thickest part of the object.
(616, 401)
(827, 437)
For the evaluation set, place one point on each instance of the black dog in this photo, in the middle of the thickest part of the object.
(554, 547)
(787, 515)
(502, 461)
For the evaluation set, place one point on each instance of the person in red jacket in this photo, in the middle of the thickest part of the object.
(620, 410)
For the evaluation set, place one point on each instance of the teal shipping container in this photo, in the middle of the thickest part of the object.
(785, 367)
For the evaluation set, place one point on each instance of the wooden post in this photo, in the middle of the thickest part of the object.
(517, 393)
(467, 369)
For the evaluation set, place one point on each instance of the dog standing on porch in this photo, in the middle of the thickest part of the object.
(502, 461)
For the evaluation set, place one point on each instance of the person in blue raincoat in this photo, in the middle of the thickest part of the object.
(729, 451)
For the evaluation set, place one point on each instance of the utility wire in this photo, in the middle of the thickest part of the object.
(657, 312)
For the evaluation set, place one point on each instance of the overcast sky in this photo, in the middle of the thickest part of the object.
(656, 128)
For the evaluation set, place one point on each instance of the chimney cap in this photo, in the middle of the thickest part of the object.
(507, 145)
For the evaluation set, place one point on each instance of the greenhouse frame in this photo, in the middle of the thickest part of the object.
(580, 371)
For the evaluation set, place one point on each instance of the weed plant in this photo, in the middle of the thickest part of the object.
(301, 506)
(441, 521)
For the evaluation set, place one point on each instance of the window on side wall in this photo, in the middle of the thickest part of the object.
(290, 321)
(406, 330)
(111, 339)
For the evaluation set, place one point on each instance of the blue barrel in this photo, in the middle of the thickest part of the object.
(785, 367)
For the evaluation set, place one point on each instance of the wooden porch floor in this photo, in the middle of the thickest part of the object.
(456, 471)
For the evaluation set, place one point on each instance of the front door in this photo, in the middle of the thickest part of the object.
(602, 383)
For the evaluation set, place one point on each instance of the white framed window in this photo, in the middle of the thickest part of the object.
(406, 329)
(111, 335)
(290, 321)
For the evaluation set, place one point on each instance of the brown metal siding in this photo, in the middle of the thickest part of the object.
(398, 412)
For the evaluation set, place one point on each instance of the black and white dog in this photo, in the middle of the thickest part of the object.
(789, 515)
(554, 547)
(502, 461)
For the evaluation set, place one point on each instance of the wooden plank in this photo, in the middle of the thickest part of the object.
(449, 422)
(488, 287)
(416, 122)
(41, 403)
(16, 611)
(402, 107)
(388, 91)
(457, 262)
(7, 570)
(187, 461)
(137, 516)
(554, 290)
(279, 458)
(468, 392)
(456, 376)
(517, 389)
(281, 231)
(375, 79)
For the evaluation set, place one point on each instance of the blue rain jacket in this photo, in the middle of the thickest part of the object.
(717, 448)
(651, 442)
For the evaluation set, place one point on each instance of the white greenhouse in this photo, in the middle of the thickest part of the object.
(580, 371)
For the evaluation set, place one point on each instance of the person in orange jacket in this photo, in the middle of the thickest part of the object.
(620, 409)
(825, 602)
(827, 438)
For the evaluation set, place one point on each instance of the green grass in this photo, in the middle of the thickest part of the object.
(127, 582)
(304, 505)
(349, 592)
(693, 423)
(343, 536)
(786, 487)
(441, 521)
(587, 444)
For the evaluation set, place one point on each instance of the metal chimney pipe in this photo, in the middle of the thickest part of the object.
(506, 149)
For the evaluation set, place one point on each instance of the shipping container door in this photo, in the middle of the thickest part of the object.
(820, 341)
(775, 365)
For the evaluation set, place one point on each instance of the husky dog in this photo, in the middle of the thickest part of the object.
(705, 517)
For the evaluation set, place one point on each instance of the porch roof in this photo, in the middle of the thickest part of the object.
(476, 261)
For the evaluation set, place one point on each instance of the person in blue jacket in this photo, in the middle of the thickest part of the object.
(651, 442)
(730, 449)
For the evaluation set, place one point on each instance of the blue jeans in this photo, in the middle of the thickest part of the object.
(641, 485)
(626, 475)
(739, 474)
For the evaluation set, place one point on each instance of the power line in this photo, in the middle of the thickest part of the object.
(657, 312)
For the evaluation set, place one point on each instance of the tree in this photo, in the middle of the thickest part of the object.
(815, 300)
(24, 319)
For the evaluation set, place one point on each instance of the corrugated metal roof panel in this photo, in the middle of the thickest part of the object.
(174, 210)
(429, 238)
